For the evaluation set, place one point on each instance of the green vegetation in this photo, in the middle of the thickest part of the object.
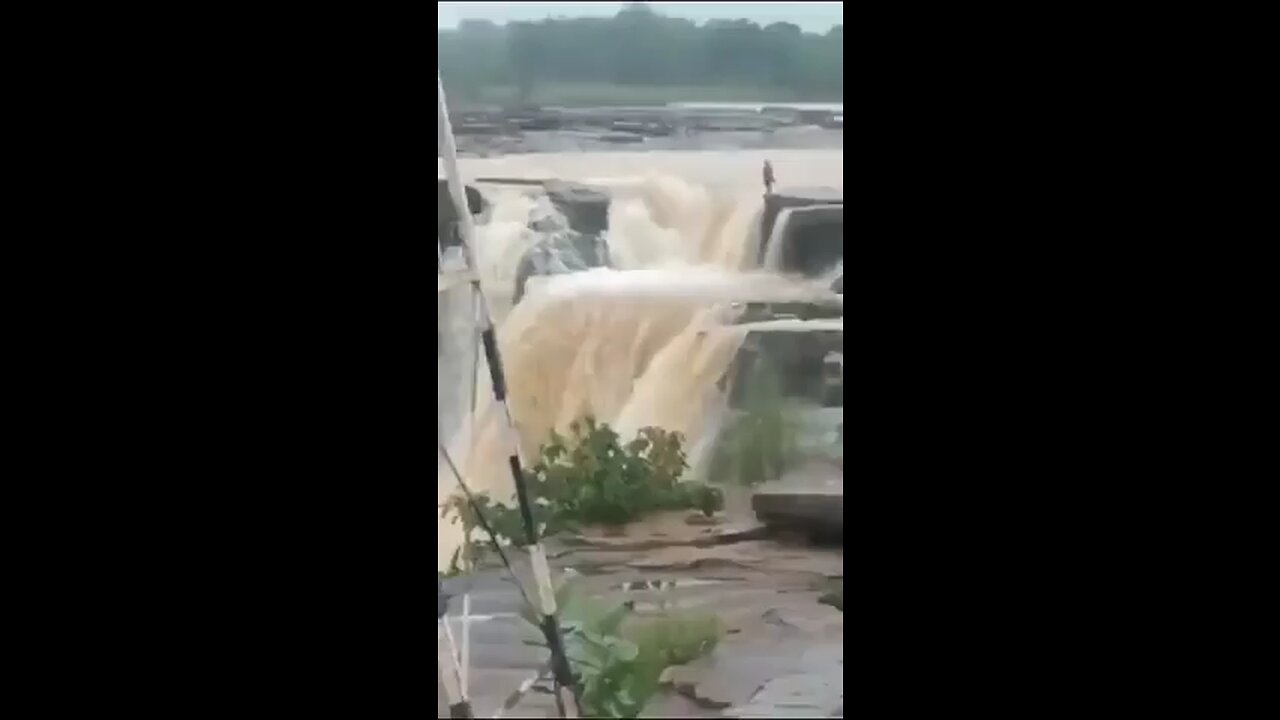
(591, 478)
(618, 655)
(761, 443)
(833, 594)
(640, 57)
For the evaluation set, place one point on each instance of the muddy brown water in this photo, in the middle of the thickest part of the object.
(638, 358)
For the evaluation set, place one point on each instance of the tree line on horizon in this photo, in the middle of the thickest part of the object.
(640, 48)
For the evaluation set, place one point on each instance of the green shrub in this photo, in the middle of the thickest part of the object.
(591, 478)
(760, 443)
(617, 656)
(833, 594)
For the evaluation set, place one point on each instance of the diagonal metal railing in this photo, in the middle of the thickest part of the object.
(566, 690)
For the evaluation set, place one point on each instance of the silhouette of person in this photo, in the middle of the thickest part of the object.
(768, 178)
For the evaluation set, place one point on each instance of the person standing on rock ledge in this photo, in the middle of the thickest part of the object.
(768, 178)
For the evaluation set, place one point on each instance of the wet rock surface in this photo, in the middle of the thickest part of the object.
(809, 499)
(782, 652)
(779, 671)
(562, 251)
(573, 241)
(586, 208)
(800, 359)
(447, 215)
(810, 239)
(793, 198)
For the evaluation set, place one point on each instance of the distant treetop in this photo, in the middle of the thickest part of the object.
(639, 47)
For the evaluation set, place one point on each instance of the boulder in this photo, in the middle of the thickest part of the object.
(584, 207)
(573, 244)
(562, 251)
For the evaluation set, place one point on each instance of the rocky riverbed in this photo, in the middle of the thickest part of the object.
(559, 141)
(782, 652)
(494, 131)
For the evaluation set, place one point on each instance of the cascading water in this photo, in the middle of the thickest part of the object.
(642, 343)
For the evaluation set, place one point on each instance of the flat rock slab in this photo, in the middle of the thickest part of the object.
(586, 208)
(786, 196)
(810, 499)
(818, 693)
(762, 555)
(782, 650)
(669, 529)
(771, 671)
(674, 705)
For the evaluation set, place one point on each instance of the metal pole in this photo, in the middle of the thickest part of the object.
(447, 662)
(567, 690)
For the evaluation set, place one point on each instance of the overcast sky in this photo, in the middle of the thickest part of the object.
(811, 16)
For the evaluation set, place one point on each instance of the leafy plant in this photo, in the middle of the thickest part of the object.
(674, 638)
(618, 656)
(833, 595)
(592, 478)
(505, 522)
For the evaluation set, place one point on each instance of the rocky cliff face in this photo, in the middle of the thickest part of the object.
(447, 216)
(812, 240)
(812, 233)
(584, 207)
(578, 243)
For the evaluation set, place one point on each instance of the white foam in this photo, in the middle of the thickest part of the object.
(642, 344)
